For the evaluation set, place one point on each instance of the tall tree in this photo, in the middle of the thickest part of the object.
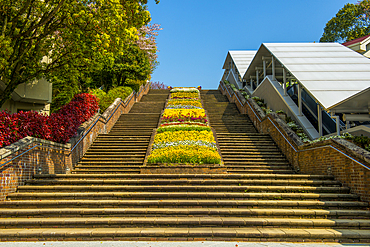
(348, 24)
(134, 66)
(40, 37)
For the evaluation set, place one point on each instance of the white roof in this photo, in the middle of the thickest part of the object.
(330, 72)
(241, 59)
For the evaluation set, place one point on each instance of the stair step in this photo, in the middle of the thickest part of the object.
(215, 233)
(189, 176)
(173, 195)
(158, 181)
(244, 188)
(124, 222)
(184, 203)
(275, 212)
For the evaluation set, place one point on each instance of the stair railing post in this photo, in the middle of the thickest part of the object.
(299, 100)
(319, 118)
(284, 82)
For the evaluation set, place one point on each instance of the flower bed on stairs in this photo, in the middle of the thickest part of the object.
(184, 137)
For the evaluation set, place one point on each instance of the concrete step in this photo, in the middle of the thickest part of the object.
(188, 176)
(180, 212)
(232, 182)
(169, 188)
(180, 195)
(183, 234)
(185, 203)
(116, 155)
(112, 162)
(183, 221)
(115, 150)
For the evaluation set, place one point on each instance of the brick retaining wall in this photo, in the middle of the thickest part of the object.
(37, 156)
(347, 162)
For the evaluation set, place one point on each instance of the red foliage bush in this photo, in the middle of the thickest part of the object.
(59, 127)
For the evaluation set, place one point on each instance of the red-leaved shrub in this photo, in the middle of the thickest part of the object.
(58, 127)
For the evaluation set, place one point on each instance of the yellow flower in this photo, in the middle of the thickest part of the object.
(194, 135)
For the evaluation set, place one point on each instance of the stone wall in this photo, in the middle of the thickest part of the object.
(21, 160)
(347, 162)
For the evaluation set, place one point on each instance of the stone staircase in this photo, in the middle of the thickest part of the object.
(259, 199)
(243, 149)
(125, 147)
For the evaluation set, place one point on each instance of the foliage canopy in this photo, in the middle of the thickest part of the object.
(66, 41)
(349, 23)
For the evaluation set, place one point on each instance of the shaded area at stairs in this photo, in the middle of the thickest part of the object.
(259, 199)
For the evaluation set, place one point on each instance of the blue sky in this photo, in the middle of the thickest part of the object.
(197, 34)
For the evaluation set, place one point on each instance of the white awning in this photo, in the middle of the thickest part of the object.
(330, 72)
(241, 60)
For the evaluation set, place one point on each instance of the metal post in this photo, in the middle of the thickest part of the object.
(336, 121)
(257, 79)
(273, 68)
(338, 126)
(251, 83)
(347, 125)
(284, 82)
(319, 119)
(264, 68)
(299, 99)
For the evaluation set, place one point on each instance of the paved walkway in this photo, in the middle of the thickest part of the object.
(174, 244)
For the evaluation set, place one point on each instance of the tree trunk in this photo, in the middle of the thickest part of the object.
(8, 92)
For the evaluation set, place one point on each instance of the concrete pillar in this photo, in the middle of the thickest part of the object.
(273, 68)
(257, 79)
(264, 69)
(252, 84)
(319, 119)
(299, 99)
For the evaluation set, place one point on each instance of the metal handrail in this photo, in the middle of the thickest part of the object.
(222, 86)
(228, 92)
(283, 135)
(318, 148)
(2, 165)
(70, 151)
(290, 142)
(37, 145)
(236, 96)
(254, 111)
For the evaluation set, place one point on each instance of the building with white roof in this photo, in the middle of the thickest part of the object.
(235, 66)
(315, 83)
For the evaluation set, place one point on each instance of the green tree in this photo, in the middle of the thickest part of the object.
(348, 24)
(131, 66)
(41, 38)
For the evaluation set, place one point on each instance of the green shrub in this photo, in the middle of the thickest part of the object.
(108, 98)
(233, 87)
(134, 84)
(98, 93)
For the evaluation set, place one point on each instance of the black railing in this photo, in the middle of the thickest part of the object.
(309, 107)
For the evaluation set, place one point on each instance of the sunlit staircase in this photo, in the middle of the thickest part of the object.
(258, 199)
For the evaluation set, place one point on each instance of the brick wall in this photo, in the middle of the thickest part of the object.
(31, 155)
(347, 162)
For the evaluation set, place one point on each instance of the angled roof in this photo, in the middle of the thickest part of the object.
(354, 41)
(330, 72)
(241, 59)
